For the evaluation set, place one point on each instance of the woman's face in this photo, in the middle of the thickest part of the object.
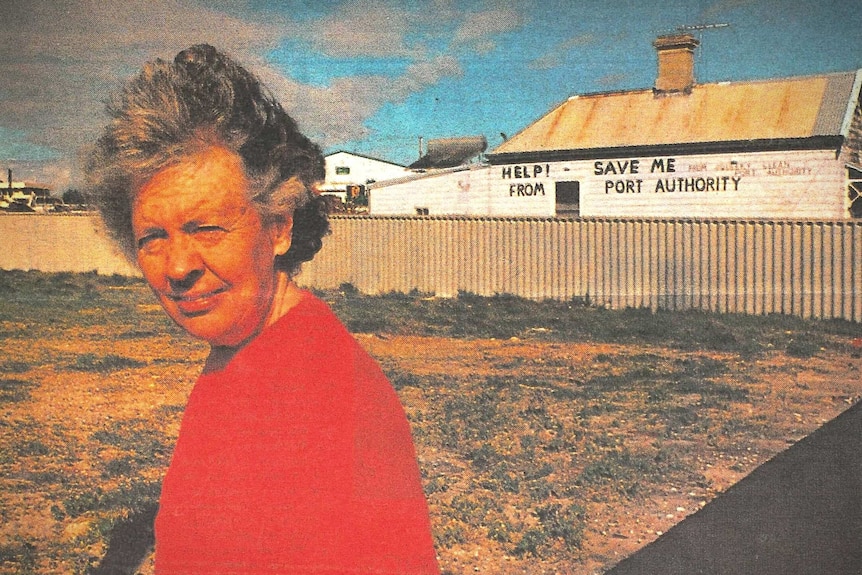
(205, 250)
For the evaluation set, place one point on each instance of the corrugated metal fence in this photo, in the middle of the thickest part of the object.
(804, 268)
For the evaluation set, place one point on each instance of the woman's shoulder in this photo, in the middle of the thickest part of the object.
(310, 329)
(312, 316)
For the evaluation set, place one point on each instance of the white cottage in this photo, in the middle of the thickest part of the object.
(779, 148)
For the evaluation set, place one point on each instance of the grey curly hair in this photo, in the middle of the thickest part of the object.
(202, 98)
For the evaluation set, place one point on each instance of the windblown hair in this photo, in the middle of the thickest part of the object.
(204, 98)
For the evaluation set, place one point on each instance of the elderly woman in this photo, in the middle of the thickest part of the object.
(294, 454)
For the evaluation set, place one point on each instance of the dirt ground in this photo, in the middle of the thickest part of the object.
(794, 397)
(51, 457)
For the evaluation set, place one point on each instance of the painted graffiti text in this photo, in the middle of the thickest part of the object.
(537, 189)
(521, 172)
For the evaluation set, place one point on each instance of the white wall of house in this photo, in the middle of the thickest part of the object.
(783, 184)
(470, 191)
(344, 168)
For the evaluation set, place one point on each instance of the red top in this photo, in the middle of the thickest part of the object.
(295, 458)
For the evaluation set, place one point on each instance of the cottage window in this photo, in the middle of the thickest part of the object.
(421, 211)
(854, 191)
(342, 170)
(568, 198)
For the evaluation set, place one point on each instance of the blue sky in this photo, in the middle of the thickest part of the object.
(372, 76)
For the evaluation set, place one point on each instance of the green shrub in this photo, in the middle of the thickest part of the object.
(15, 390)
(104, 364)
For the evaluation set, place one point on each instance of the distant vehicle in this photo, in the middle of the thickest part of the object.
(29, 201)
(19, 208)
(18, 201)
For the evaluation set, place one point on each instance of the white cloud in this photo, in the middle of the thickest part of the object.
(59, 60)
(554, 58)
(336, 113)
(478, 27)
(361, 28)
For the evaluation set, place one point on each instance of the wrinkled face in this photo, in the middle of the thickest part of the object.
(204, 248)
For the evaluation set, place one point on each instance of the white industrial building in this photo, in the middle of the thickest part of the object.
(776, 148)
(349, 173)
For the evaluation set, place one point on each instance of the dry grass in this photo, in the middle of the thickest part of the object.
(553, 437)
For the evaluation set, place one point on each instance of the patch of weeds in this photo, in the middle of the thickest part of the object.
(104, 364)
(470, 419)
(143, 444)
(734, 426)
(15, 390)
(117, 280)
(121, 466)
(45, 477)
(503, 316)
(171, 409)
(541, 489)
(539, 472)
(558, 392)
(369, 322)
(57, 513)
(7, 457)
(530, 542)
(437, 484)
(484, 457)
(621, 467)
(500, 530)
(566, 524)
(449, 533)
(81, 500)
(21, 554)
(103, 526)
(15, 367)
(658, 394)
(594, 409)
(565, 440)
(604, 442)
(629, 379)
(130, 496)
(466, 509)
(726, 392)
(134, 495)
(701, 330)
(701, 367)
(138, 334)
(540, 419)
(709, 391)
(401, 379)
(31, 448)
(679, 417)
(501, 479)
(804, 347)
(529, 442)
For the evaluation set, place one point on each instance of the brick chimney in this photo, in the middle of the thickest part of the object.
(675, 63)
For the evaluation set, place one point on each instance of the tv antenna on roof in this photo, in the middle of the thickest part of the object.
(697, 27)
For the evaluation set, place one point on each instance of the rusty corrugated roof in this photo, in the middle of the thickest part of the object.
(722, 112)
